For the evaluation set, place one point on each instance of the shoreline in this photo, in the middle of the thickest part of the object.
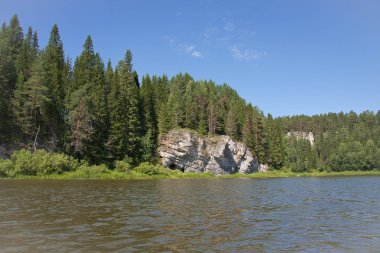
(112, 175)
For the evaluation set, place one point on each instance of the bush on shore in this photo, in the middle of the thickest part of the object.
(152, 170)
(38, 163)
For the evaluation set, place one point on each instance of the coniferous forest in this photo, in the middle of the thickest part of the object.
(89, 109)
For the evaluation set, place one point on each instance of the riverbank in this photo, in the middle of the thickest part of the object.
(114, 175)
(43, 165)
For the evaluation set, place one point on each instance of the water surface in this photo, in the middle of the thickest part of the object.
(337, 214)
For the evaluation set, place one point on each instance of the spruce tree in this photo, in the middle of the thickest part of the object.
(164, 120)
(150, 119)
(125, 113)
(260, 149)
(11, 40)
(89, 80)
(30, 102)
(134, 109)
(54, 69)
(249, 133)
(80, 119)
(275, 140)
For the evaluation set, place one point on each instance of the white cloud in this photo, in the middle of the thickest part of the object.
(196, 54)
(241, 53)
(189, 50)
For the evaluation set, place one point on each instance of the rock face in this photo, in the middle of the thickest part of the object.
(309, 136)
(186, 151)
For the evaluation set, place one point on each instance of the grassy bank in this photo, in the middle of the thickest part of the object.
(114, 175)
(44, 165)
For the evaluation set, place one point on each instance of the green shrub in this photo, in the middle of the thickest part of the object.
(41, 163)
(122, 166)
(6, 166)
(150, 169)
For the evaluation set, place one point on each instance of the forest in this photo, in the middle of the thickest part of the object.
(94, 112)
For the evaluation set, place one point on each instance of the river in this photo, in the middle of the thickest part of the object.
(312, 214)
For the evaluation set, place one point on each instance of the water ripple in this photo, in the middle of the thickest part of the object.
(226, 215)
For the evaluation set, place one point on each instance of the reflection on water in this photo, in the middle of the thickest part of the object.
(340, 214)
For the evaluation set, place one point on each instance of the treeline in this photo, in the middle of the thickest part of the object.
(343, 141)
(102, 114)
(98, 113)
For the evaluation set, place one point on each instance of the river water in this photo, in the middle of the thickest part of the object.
(336, 214)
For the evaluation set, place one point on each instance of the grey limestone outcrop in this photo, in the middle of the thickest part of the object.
(187, 151)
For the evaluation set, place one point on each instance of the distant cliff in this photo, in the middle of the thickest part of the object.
(220, 155)
(309, 136)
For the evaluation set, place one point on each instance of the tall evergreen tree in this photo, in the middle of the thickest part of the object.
(30, 102)
(261, 142)
(89, 80)
(126, 115)
(249, 133)
(11, 40)
(54, 69)
(276, 147)
(150, 119)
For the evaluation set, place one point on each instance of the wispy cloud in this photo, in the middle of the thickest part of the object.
(181, 48)
(226, 36)
(196, 54)
(229, 27)
(190, 50)
(233, 39)
(168, 39)
(241, 53)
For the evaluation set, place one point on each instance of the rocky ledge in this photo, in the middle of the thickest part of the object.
(220, 155)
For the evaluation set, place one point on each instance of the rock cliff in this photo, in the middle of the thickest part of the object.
(220, 155)
(309, 136)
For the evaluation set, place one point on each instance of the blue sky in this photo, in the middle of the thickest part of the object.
(285, 56)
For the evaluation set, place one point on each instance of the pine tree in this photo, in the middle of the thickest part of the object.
(260, 149)
(249, 134)
(54, 69)
(26, 56)
(89, 80)
(80, 123)
(150, 119)
(19, 100)
(191, 107)
(213, 123)
(125, 114)
(31, 101)
(117, 139)
(164, 120)
(176, 110)
(134, 112)
(99, 108)
(275, 140)
(11, 40)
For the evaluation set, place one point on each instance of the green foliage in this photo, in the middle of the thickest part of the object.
(103, 115)
(342, 141)
(122, 166)
(89, 171)
(6, 167)
(301, 155)
(151, 169)
(355, 156)
(276, 154)
(39, 163)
